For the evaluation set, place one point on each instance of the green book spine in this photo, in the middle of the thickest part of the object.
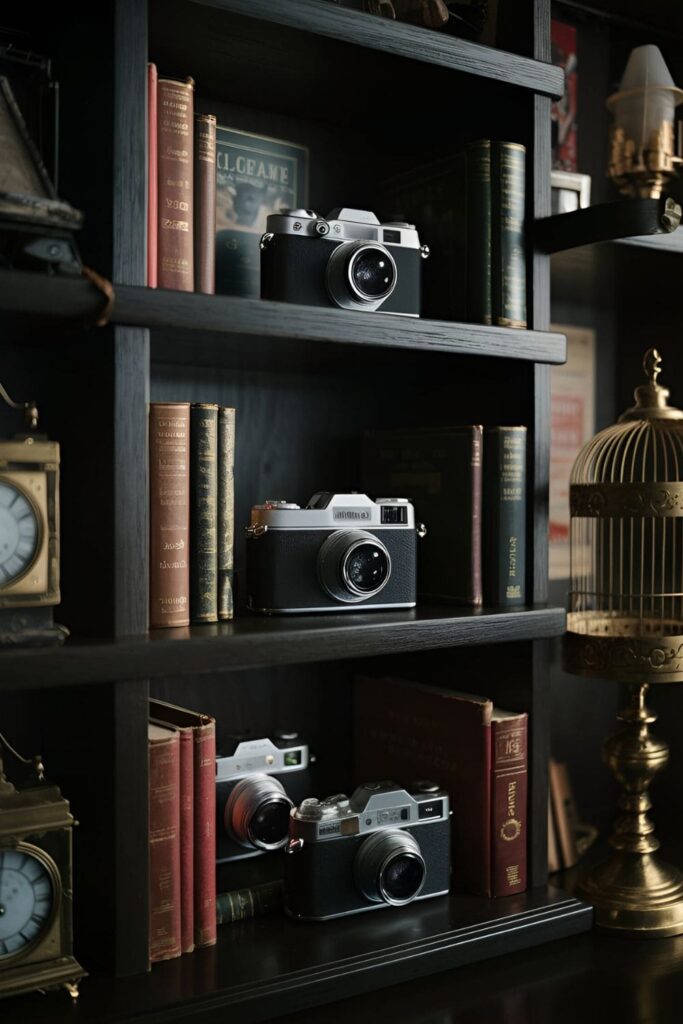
(241, 904)
(478, 289)
(508, 258)
(505, 515)
(203, 513)
(226, 512)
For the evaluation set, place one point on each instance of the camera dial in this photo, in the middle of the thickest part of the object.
(257, 813)
(353, 565)
(361, 275)
(389, 868)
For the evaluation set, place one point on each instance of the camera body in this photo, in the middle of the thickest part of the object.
(385, 846)
(347, 259)
(343, 552)
(256, 787)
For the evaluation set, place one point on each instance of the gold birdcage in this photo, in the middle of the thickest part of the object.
(626, 623)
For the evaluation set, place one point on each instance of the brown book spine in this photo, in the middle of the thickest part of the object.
(175, 133)
(226, 512)
(186, 840)
(164, 844)
(152, 177)
(564, 812)
(205, 834)
(508, 804)
(475, 526)
(169, 494)
(205, 203)
(553, 848)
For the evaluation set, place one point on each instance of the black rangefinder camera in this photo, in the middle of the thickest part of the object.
(256, 787)
(383, 847)
(347, 259)
(343, 552)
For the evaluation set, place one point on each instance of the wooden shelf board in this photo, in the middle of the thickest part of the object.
(77, 302)
(271, 965)
(402, 40)
(255, 641)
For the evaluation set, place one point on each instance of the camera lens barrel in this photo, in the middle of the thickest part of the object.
(389, 868)
(361, 275)
(257, 813)
(353, 565)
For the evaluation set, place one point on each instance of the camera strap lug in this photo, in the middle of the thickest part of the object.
(256, 531)
(421, 530)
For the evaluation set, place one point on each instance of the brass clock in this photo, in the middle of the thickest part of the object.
(35, 890)
(29, 536)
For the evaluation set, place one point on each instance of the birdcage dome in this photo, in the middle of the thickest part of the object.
(626, 536)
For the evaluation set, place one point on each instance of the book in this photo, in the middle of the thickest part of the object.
(564, 812)
(241, 904)
(152, 176)
(508, 256)
(164, 844)
(169, 513)
(439, 470)
(504, 494)
(226, 512)
(205, 203)
(202, 730)
(509, 766)
(255, 176)
(203, 512)
(175, 135)
(554, 862)
(478, 244)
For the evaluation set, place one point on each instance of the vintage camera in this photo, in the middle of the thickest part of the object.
(343, 552)
(346, 259)
(384, 847)
(256, 787)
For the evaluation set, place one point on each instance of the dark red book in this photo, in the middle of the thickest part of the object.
(164, 844)
(406, 731)
(201, 883)
(152, 176)
(175, 148)
(508, 802)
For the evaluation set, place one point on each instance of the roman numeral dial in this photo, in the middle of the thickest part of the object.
(26, 900)
(19, 533)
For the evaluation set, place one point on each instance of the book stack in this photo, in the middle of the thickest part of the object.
(182, 830)
(470, 209)
(465, 482)
(191, 468)
(477, 752)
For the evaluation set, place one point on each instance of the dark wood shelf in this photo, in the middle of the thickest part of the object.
(271, 965)
(75, 301)
(254, 641)
(400, 39)
(650, 222)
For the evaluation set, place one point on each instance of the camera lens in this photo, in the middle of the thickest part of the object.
(257, 813)
(372, 272)
(353, 565)
(389, 867)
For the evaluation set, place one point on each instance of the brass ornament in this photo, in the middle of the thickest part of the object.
(626, 624)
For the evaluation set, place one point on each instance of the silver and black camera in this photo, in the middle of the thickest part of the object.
(384, 847)
(256, 787)
(342, 552)
(346, 259)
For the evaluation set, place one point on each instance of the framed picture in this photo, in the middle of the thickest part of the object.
(569, 191)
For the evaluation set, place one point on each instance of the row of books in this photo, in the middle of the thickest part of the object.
(466, 482)
(191, 488)
(182, 830)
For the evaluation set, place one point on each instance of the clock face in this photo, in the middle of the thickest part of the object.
(26, 900)
(19, 533)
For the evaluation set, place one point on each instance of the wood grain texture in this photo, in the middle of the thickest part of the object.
(255, 641)
(404, 40)
(306, 965)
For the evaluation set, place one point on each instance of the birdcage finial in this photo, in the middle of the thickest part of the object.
(652, 365)
(651, 398)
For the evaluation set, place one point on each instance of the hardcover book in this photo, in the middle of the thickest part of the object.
(175, 162)
(255, 176)
(439, 470)
(508, 255)
(205, 203)
(203, 512)
(505, 515)
(226, 512)
(164, 844)
(169, 513)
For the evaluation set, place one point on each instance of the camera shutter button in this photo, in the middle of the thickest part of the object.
(426, 786)
(322, 227)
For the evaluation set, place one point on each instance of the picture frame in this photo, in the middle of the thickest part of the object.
(569, 191)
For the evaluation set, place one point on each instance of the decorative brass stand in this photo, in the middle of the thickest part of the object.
(634, 891)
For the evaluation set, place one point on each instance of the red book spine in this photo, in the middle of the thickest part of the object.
(169, 513)
(175, 131)
(152, 176)
(187, 839)
(164, 844)
(508, 804)
(205, 835)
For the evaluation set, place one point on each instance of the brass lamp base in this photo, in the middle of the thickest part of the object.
(634, 893)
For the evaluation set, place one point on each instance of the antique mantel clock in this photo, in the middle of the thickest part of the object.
(35, 888)
(29, 535)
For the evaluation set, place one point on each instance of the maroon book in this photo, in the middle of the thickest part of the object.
(406, 731)
(152, 176)
(508, 802)
(164, 843)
